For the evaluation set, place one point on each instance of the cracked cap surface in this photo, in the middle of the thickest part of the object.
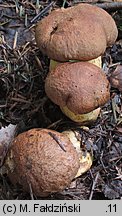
(39, 161)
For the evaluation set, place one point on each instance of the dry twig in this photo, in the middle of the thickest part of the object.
(112, 6)
(93, 186)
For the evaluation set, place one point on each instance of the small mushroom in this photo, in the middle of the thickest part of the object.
(42, 159)
(79, 32)
(78, 88)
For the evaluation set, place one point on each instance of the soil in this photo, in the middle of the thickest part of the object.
(23, 69)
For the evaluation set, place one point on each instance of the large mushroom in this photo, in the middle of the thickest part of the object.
(43, 160)
(79, 88)
(79, 33)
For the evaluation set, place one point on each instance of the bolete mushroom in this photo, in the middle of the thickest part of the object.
(43, 159)
(79, 33)
(79, 89)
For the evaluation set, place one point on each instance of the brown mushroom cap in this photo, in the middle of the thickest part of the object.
(80, 86)
(80, 32)
(37, 159)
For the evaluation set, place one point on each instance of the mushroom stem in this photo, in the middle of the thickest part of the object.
(96, 61)
(85, 157)
(81, 119)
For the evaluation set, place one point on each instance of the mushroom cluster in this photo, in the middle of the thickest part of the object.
(45, 160)
(77, 35)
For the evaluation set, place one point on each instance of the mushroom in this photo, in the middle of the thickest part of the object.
(79, 33)
(42, 159)
(78, 88)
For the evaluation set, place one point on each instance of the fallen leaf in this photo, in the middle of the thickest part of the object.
(110, 193)
(6, 136)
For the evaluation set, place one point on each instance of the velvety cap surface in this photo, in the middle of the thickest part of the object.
(80, 86)
(80, 32)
